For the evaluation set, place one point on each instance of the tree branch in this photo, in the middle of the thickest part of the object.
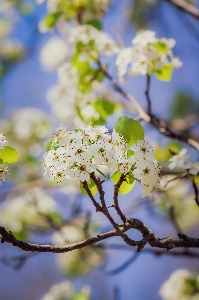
(148, 237)
(10, 238)
(105, 211)
(186, 7)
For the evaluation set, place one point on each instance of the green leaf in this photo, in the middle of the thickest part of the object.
(92, 187)
(115, 177)
(130, 153)
(51, 19)
(196, 179)
(161, 47)
(56, 218)
(130, 129)
(183, 105)
(85, 72)
(127, 185)
(80, 296)
(21, 235)
(105, 108)
(95, 23)
(165, 73)
(8, 155)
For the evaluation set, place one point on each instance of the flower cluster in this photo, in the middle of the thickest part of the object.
(26, 125)
(89, 9)
(26, 129)
(24, 211)
(66, 98)
(77, 154)
(176, 194)
(146, 55)
(181, 285)
(182, 160)
(65, 291)
(96, 39)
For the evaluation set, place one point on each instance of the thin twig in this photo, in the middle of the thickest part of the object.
(115, 198)
(147, 93)
(186, 7)
(106, 213)
(179, 176)
(196, 191)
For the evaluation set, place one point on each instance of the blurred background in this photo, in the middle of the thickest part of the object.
(35, 210)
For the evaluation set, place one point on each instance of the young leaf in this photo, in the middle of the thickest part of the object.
(80, 296)
(115, 177)
(130, 129)
(105, 108)
(8, 155)
(95, 23)
(92, 187)
(165, 73)
(126, 185)
(161, 47)
(52, 19)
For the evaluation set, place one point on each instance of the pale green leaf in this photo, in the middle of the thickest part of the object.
(8, 155)
(126, 185)
(165, 73)
(130, 129)
(92, 187)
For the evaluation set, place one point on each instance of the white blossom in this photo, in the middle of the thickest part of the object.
(143, 150)
(144, 37)
(3, 141)
(194, 169)
(3, 171)
(146, 168)
(179, 160)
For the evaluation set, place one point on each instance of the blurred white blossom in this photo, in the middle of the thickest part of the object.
(64, 291)
(71, 263)
(182, 160)
(92, 9)
(11, 49)
(24, 211)
(103, 42)
(54, 53)
(181, 285)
